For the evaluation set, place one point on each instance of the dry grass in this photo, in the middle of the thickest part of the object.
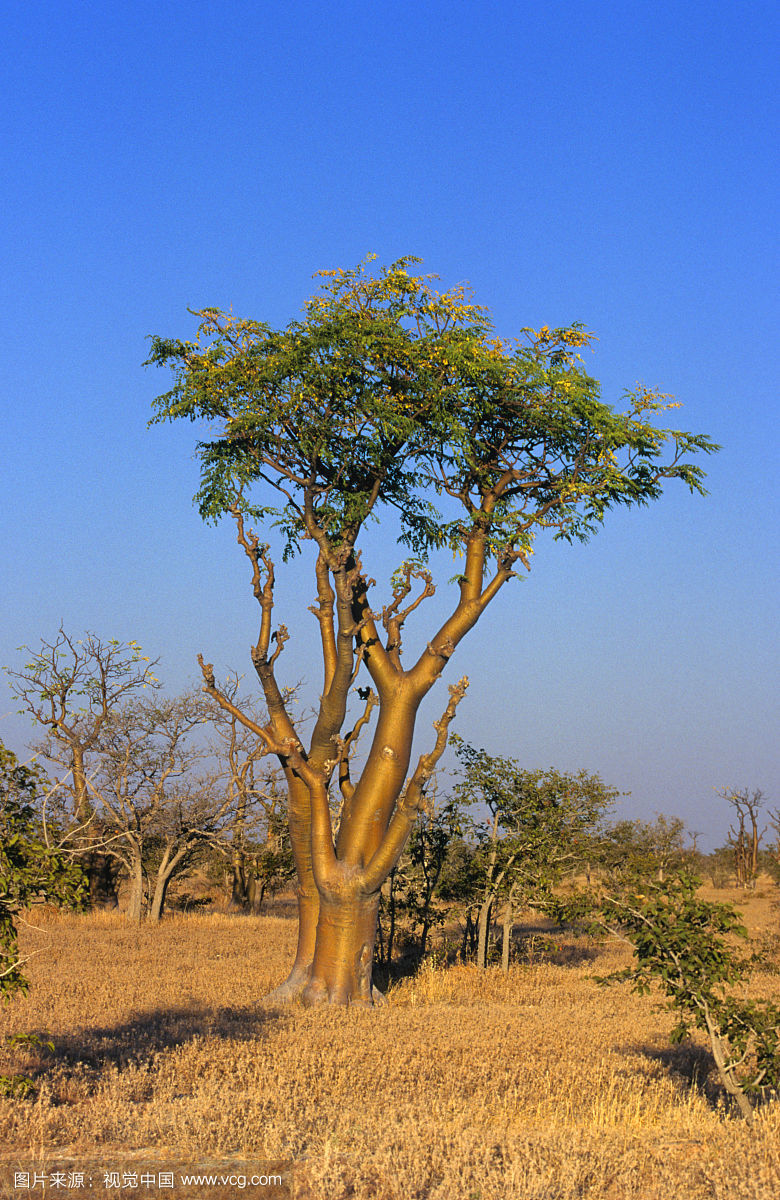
(466, 1085)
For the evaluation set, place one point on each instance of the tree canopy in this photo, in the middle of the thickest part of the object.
(389, 396)
(389, 392)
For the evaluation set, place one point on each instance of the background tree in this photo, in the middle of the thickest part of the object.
(773, 850)
(260, 855)
(411, 895)
(541, 825)
(643, 850)
(744, 836)
(719, 865)
(389, 397)
(71, 689)
(36, 866)
(153, 795)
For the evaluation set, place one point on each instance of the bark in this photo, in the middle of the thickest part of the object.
(255, 894)
(507, 924)
(136, 898)
(100, 868)
(339, 885)
(726, 1074)
(343, 957)
(165, 873)
(485, 913)
(239, 885)
(102, 872)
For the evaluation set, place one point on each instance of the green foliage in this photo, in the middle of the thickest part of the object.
(31, 868)
(719, 865)
(686, 946)
(414, 897)
(19, 1087)
(388, 392)
(543, 822)
(632, 851)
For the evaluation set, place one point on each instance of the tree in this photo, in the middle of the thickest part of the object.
(152, 796)
(412, 890)
(541, 824)
(683, 944)
(391, 398)
(71, 689)
(259, 855)
(36, 865)
(641, 850)
(744, 836)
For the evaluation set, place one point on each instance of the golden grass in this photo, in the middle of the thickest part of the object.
(466, 1085)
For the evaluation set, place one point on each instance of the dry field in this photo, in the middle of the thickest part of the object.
(466, 1085)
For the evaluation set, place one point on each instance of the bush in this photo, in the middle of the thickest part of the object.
(685, 945)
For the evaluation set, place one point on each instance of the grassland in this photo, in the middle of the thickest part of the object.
(466, 1085)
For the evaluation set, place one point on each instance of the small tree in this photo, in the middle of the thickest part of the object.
(411, 894)
(744, 835)
(36, 866)
(541, 825)
(642, 850)
(684, 945)
(72, 688)
(390, 398)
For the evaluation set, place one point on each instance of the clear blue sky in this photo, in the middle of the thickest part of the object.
(614, 164)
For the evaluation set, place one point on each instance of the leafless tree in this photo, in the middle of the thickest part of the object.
(154, 790)
(72, 688)
(744, 836)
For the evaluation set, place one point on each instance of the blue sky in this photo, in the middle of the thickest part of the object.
(612, 164)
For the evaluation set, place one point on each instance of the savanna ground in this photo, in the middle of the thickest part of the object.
(468, 1085)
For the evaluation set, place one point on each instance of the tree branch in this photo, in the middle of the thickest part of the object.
(412, 799)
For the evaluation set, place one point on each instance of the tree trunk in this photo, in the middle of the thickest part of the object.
(391, 911)
(255, 894)
(298, 979)
(158, 899)
(484, 928)
(102, 872)
(165, 873)
(343, 956)
(506, 926)
(239, 884)
(136, 901)
(100, 869)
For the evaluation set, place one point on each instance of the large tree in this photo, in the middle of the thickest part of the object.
(390, 398)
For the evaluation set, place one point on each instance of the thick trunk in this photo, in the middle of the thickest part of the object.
(102, 872)
(344, 952)
(255, 894)
(297, 980)
(100, 869)
(158, 899)
(239, 884)
(80, 789)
